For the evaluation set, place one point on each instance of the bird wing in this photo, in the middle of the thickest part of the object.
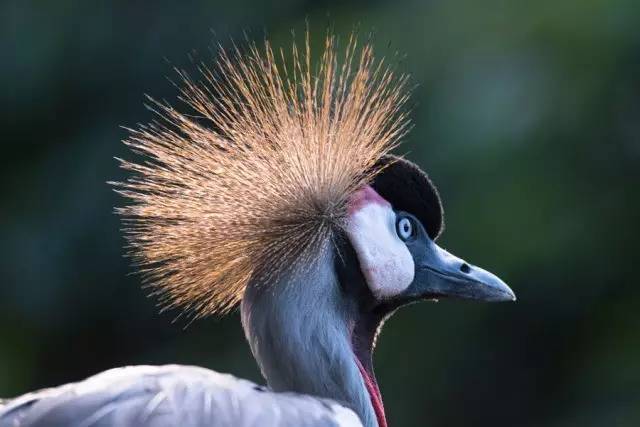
(172, 395)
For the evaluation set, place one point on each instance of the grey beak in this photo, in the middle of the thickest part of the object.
(441, 274)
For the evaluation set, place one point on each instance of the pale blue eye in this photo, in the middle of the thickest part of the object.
(404, 228)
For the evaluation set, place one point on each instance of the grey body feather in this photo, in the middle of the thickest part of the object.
(172, 395)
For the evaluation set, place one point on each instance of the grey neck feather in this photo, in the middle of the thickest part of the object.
(299, 332)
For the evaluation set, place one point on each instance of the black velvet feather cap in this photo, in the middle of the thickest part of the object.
(408, 188)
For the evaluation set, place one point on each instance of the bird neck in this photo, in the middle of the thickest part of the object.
(301, 333)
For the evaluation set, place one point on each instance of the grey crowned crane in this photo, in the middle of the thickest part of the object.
(275, 191)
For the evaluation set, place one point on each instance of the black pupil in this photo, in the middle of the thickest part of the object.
(405, 228)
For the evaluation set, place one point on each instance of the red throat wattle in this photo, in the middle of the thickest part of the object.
(363, 197)
(374, 393)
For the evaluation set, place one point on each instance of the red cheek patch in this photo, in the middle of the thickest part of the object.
(364, 197)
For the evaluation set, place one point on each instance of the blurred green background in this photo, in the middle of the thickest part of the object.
(527, 117)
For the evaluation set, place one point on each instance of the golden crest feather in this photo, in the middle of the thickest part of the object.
(257, 174)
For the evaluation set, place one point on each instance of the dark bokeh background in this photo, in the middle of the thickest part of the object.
(527, 116)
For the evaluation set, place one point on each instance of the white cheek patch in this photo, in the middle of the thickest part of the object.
(385, 261)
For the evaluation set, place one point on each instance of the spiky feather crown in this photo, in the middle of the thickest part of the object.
(259, 178)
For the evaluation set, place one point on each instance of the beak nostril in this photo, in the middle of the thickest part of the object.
(465, 268)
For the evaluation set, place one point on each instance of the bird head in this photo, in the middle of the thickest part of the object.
(272, 164)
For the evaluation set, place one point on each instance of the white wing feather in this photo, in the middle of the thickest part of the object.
(171, 395)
